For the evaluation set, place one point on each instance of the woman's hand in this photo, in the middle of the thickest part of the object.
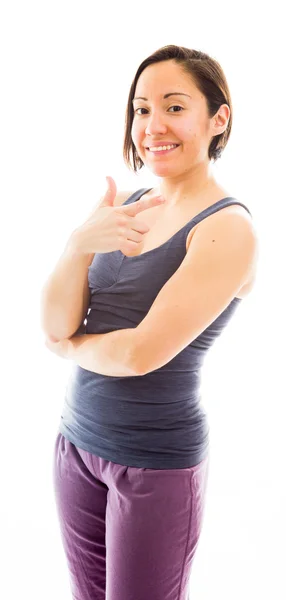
(112, 228)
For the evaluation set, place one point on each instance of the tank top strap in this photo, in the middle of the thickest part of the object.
(228, 201)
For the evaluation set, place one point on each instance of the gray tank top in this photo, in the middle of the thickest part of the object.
(155, 420)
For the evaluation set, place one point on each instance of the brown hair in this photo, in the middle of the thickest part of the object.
(209, 79)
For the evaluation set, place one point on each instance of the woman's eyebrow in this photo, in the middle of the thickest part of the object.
(165, 96)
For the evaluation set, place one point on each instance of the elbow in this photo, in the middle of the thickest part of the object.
(65, 335)
(138, 367)
(52, 339)
(132, 357)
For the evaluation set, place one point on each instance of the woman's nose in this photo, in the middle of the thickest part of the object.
(155, 124)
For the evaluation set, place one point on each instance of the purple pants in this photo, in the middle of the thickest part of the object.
(128, 533)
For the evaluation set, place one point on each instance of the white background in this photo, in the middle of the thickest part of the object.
(66, 69)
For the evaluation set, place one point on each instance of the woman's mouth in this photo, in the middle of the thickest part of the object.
(162, 152)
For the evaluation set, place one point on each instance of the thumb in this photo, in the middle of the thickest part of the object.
(110, 193)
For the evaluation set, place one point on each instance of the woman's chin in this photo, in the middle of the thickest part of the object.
(163, 170)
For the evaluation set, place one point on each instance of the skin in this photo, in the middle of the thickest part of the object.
(186, 173)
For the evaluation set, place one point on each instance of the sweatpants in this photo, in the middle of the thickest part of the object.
(128, 533)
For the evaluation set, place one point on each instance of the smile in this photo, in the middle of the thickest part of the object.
(161, 152)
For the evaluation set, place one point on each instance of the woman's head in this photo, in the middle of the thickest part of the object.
(201, 126)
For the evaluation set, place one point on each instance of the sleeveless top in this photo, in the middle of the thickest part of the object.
(155, 420)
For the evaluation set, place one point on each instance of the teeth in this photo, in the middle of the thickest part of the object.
(159, 148)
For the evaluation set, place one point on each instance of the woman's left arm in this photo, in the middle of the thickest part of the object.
(104, 353)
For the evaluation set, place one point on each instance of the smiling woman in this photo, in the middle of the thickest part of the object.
(132, 426)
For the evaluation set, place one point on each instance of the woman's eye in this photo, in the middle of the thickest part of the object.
(177, 106)
(174, 106)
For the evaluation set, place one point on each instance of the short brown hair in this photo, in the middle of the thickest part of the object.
(209, 79)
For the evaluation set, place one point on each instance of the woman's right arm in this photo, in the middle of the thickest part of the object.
(65, 297)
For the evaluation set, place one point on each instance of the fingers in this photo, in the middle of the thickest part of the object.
(136, 207)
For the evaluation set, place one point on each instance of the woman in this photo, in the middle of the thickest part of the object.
(131, 455)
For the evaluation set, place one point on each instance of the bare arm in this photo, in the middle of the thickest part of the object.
(65, 296)
(109, 354)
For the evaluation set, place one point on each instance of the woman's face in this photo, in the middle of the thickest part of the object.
(178, 119)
